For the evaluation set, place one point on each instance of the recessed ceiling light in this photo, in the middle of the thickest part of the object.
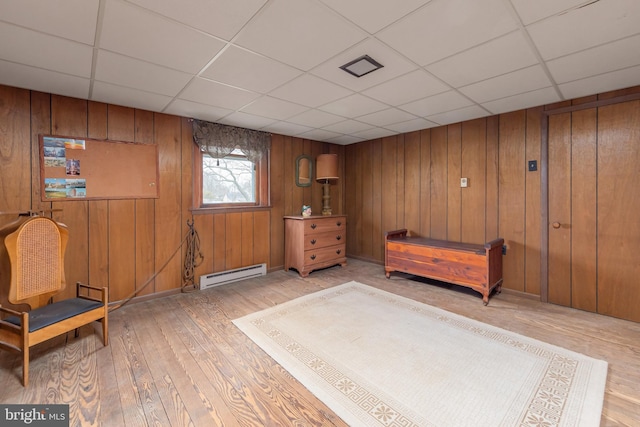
(361, 66)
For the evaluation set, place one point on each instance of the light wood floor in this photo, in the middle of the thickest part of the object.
(179, 360)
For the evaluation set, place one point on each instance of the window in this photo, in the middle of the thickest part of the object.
(232, 181)
(231, 166)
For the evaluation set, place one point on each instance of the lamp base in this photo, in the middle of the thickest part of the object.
(326, 198)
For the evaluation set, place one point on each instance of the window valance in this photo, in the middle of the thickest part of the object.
(220, 140)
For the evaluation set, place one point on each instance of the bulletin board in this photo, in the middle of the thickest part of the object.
(82, 168)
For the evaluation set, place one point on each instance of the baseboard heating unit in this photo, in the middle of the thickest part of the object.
(229, 276)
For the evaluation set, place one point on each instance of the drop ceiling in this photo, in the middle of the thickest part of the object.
(274, 65)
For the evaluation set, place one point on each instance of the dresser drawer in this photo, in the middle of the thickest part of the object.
(321, 240)
(321, 255)
(322, 225)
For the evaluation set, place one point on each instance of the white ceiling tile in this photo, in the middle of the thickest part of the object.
(526, 80)
(241, 68)
(249, 121)
(531, 11)
(301, 33)
(221, 18)
(393, 64)
(207, 92)
(310, 91)
(386, 117)
(319, 135)
(602, 83)
(315, 118)
(440, 103)
(354, 106)
(595, 24)
(52, 53)
(498, 56)
(411, 125)
(348, 126)
(286, 128)
(455, 116)
(379, 13)
(374, 133)
(23, 76)
(445, 27)
(410, 87)
(274, 108)
(344, 140)
(141, 75)
(609, 57)
(180, 107)
(523, 100)
(118, 95)
(138, 33)
(69, 19)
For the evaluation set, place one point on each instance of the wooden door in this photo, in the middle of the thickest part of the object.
(594, 210)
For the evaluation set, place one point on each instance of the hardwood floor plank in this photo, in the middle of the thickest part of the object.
(107, 384)
(179, 360)
(177, 374)
(217, 393)
(132, 410)
(260, 368)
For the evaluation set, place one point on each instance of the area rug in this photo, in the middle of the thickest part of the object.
(379, 359)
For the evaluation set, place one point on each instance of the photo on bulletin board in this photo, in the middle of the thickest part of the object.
(82, 168)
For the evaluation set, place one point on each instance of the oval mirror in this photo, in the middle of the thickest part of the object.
(304, 171)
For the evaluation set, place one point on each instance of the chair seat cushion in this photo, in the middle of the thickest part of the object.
(56, 312)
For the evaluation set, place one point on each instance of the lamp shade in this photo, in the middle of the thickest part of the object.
(327, 167)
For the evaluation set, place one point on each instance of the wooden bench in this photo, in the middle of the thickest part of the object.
(32, 273)
(475, 266)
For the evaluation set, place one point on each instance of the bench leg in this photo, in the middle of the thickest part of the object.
(105, 331)
(25, 366)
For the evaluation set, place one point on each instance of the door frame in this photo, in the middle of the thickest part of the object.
(544, 176)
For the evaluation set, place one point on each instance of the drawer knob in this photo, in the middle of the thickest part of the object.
(313, 256)
(313, 226)
(338, 237)
(339, 223)
(338, 251)
(313, 241)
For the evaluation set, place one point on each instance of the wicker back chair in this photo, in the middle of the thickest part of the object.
(35, 249)
(36, 252)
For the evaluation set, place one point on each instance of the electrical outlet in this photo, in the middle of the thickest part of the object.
(464, 182)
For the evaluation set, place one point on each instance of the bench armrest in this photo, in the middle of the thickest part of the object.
(103, 292)
(10, 312)
(494, 243)
(395, 233)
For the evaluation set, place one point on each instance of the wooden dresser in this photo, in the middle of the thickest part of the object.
(314, 242)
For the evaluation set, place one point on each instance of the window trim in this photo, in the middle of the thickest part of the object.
(262, 186)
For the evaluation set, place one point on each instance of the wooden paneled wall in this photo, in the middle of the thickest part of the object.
(122, 243)
(412, 181)
(408, 181)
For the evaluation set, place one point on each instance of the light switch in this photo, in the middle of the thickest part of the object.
(464, 182)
